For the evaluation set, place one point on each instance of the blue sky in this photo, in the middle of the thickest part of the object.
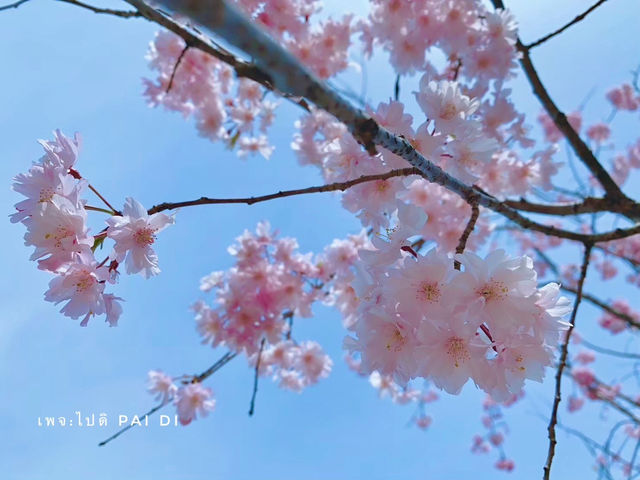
(70, 69)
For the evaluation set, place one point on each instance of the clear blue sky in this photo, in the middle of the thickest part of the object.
(67, 68)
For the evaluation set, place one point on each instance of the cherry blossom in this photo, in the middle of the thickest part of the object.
(134, 232)
(162, 386)
(192, 400)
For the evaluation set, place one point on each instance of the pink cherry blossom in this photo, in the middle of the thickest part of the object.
(58, 230)
(134, 232)
(82, 284)
(161, 385)
(192, 400)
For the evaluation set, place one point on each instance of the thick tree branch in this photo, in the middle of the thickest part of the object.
(579, 18)
(564, 353)
(588, 205)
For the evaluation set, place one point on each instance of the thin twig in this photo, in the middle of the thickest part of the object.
(98, 209)
(255, 379)
(13, 5)
(175, 67)
(607, 351)
(331, 187)
(632, 322)
(104, 200)
(106, 11)
(564, 353)
(226, 358)
(462, 243)
(75, 174)
(564, 27)
(633, 458)
(131, 425)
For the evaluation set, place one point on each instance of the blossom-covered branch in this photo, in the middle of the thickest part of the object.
(195, 39)
(289, 76)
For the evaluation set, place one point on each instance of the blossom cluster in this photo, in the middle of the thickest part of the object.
(451, 136)
(256, 302)
(197, 84)
(239, 111)
(191, 399)
(478, 43)
(55, 217)
(420, 317)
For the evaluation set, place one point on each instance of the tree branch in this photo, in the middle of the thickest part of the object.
(226, 358)
(607, 351)
(331, 187)
(581, 149)
(175, 67)
(462, 243)
(579, 18)
(255, 379)
(599, 303)
(588, 205)
(564, 353)
(287, 75)
(106, 11)
(13, 5)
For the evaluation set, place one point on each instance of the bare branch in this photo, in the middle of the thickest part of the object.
(564, 353)
(175, 67)
(106, 11)
(131, 425)
(13, 5)
(588, 205)
(331, 187)
(255, 379)
(579, 18)
(607, 351)
(599, 303)
(226, 358)
(462, 243)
